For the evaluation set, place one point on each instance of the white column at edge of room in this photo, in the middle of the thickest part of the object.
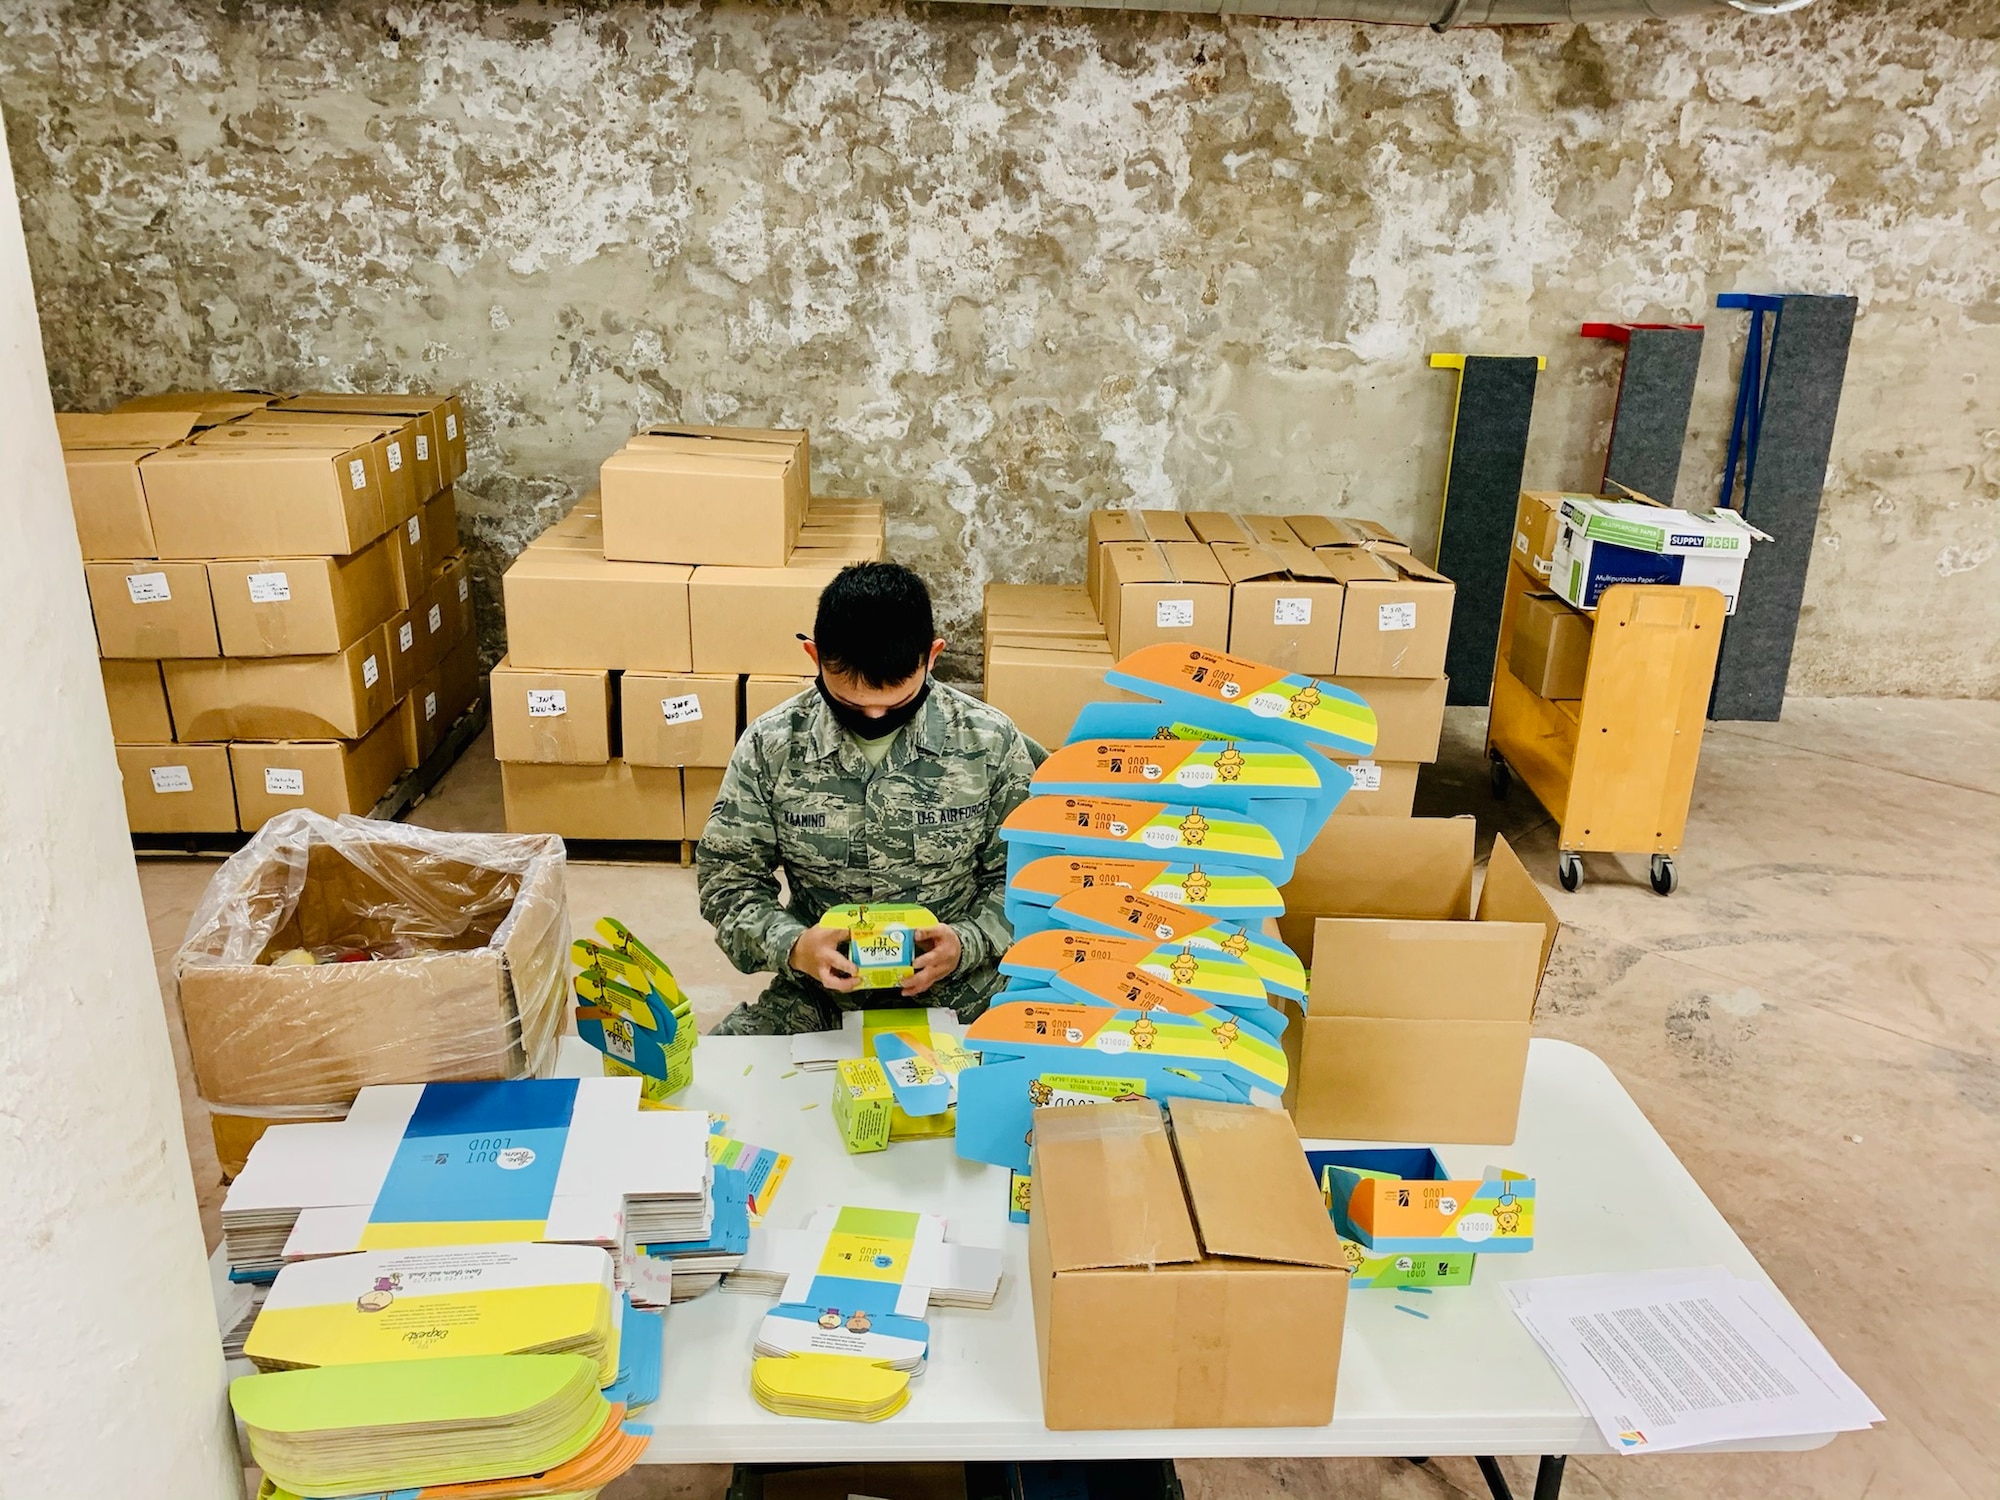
(111, 1382)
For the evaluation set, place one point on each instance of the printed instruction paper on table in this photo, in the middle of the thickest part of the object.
(1678, 1359)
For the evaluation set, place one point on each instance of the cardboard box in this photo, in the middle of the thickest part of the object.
(1204, 1259)
(678, 719)
(101, 453)
(1550, 649)
(1537, 526)
(763, 692)
(448, 614)
(1043, 682)
(405, 542)
(410, 655)
(551, 717)
(582, 529)
(440, 447)
(1396, 615)
(568, 607)
(136, 695)
(616, 800)
(1162, 591)
(1417, 1023)
(177, 788)
(1344, 531)
(301, 606)
(1382, 788)
(402, 489)
(747, 620)
(1284, 606)
(699, 788)
(208, 408)
(435, 704)
(1106, 526)
(236, 492)
(150, 610)
(1409, 714)
(1606, 542)
(492, 1004)
(327, 776)
(682, 495)
(440, 538)
(1055, 609)
(335, 697)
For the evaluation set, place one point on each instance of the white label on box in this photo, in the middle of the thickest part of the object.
(430, 706)
(171, 779)
(464, 590)
(1195, 776)
(451, 425)
(369, 672)
(1160, 837)
(148, 588)
(684, 710)
(279, 782)
(406, 636)
(1291, 611)
(270, 588)
(357, 473)
(547, 703)
(416, 530)
(1174, 614)
(1268, 705)
(1112, 1043)
(1401, 616)
(436, 618)
(423, 448)
(395, 458)
(1367, 776)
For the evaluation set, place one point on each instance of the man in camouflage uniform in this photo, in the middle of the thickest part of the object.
(876, 785)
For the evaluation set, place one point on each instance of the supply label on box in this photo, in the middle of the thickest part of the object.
(1367, 776)
(1291, 612)
(406, 635)
(436, 618)
(1401, 616)
(357, 473)
(464, 590)
(148, 588)
(369, 672)
(451, 425)
(423, 448)
(1173, 614)
(547, 703)
(684, 710)
(279, 782)
(395, 458)
(416, 530)
(430, 706)
(171, 779)
(270, 588)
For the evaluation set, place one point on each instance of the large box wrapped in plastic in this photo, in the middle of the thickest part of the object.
(332, 953)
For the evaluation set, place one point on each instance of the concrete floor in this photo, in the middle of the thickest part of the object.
(1809, 1022)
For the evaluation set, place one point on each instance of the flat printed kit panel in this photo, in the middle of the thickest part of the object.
(1291, 792)
(1119, 826)
(1228, 895)
(1249, 699)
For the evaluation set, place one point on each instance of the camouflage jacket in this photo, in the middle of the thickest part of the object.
(924, 826)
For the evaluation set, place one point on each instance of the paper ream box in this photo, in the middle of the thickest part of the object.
(1151, 592)
(1248, 699)
(151, 610)
(224, 496)
(101, 453)
(1396, 613)
(402, 487)
(1284, 606)
(762, 693)
(700, 786)
(691, 498)
(568, 607)
(1236, 1326)
(1418, 1020)
(136, 695)
(177, 788)
(551, 717)
(327, 776)
(616, 800)
(339, 696)
(1379, 788)
(750, 619)
(301, 606)
(1405, 1202)
(677, 719)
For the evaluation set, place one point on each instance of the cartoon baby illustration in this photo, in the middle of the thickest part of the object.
(1195, 885)
(1507, 1214)
(859, 1322)
(1194, 828)
(1304, 702)
(1225, 1034)
(830, 1319)
(380, 1295)
(1229, 765)
(1184, 967)
(1236, 944)
(1039, 1093)
(1143, 1032)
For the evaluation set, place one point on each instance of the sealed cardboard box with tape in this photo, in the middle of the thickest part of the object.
(728, 496)
(239, 491)
(151, 610)
(301, 606)
(328, 776)
(1054, 609)
(440, 448)
(763, 691)
(1284, 606)
(1417, 1023)
(403, 494)
(101, 454)
(568, 607)
(678, 718)
(1189, 1279)
(339, 696)
(551, 717)
(1380, 788)
(1409, 714)
(1043, 682)
(700, 786)
(616, 800)
(1107, 526)
(136, 695)
(745, 620)
(177, 788)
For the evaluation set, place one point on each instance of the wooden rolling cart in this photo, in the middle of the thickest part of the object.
(1615, 768)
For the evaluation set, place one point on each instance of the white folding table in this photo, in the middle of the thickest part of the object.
(1464, 1379)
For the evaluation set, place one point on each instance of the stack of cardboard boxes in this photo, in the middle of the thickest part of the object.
(284, 614)
(646, 628)
(1341, 599)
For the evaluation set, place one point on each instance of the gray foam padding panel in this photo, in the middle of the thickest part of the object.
(1649, 425)
(1802, 386)
(1482, 492)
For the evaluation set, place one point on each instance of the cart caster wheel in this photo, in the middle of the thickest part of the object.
(1666, 879)
(1501, 778)
(1569, 870)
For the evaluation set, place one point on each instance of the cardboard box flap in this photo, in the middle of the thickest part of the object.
(788, 437)
(1218, 526)
(1253, 1195)
(1192, 562)
(1244, 564)
(1105, 1180)
(1404, 867)
(1166, 525)
(1356, 565)
(79, 430)
(1413, 969)
(1407, 565)
(727, 455)
(1511, 895)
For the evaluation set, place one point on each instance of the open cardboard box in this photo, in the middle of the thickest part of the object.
(1420, 1003)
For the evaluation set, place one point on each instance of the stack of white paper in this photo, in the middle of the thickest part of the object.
(1678, 1359)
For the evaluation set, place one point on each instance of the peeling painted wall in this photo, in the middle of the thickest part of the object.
(1012, 265)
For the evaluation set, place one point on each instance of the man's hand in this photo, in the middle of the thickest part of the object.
(937, 957)
(817, 955)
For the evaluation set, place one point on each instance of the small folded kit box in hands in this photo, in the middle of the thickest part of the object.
(1183, 1278)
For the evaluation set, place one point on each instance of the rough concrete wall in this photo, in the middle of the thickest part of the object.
(1012, 265)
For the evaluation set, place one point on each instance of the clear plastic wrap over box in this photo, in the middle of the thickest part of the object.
(468, 937)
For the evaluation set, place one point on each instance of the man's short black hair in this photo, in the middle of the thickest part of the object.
(875, 623)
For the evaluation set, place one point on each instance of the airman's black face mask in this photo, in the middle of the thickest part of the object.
(857, 722)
